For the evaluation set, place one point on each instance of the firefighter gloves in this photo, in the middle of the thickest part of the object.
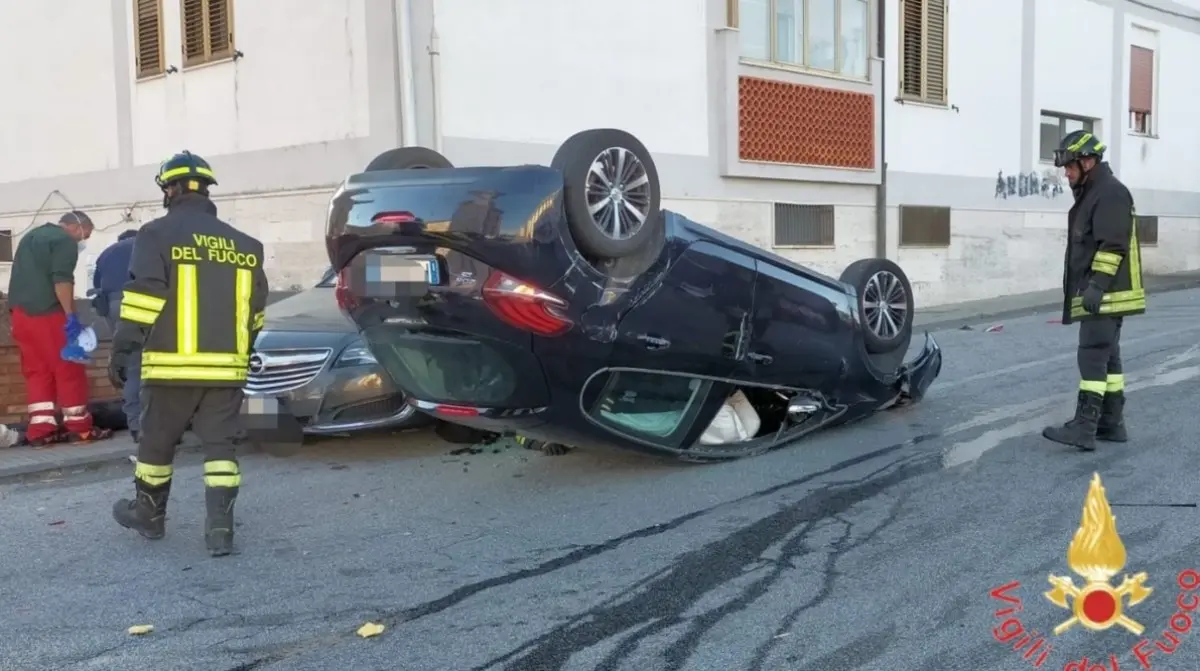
(118, 368)
(1092, 297)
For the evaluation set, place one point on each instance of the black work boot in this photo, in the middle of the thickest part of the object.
(1112, 418)
(1080, 431)
(218, 523)
(146, 513)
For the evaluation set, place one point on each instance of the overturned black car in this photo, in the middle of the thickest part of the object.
(561, 304)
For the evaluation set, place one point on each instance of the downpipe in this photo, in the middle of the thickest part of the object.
(435, 71)
(408, 89)
(881, 199)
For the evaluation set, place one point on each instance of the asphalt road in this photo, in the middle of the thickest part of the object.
(868, 547)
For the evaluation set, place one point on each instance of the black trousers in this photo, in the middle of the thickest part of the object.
(1099, 355)
(214, 416)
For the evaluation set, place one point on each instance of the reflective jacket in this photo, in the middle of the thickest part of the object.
(195, 300)
(1102, 248)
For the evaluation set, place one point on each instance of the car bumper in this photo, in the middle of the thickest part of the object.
(917, 375)
(338, 400)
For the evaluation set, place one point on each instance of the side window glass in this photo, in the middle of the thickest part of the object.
(652, 407)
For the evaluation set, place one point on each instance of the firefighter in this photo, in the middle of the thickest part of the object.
(191, 310)
(41, 297)
(1102, 284)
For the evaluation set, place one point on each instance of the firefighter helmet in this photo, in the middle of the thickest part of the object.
(185, 166)
(1076, 145)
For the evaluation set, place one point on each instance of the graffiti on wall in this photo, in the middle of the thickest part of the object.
(1050, 183)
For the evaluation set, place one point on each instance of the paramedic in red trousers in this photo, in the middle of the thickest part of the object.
(41, 297)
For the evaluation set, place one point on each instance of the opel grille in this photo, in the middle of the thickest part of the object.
(281, 370)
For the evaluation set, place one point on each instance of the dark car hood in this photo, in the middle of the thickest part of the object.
(313, 311)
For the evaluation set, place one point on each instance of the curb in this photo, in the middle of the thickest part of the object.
(942, 324)
(78, 462)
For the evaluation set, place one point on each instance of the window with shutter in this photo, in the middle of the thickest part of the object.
(1141, 89)
(148, 38)
(923, 50)
(207, 31)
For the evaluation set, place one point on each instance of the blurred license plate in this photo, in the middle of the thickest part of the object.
(390, 269)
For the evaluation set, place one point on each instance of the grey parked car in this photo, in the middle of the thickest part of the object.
(310, 356)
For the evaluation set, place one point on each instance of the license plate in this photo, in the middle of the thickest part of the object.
(396, 275)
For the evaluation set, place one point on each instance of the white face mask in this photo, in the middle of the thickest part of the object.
(82, 245)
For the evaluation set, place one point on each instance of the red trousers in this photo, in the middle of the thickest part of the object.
(50, 382)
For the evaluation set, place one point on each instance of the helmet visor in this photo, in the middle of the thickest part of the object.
(1063, 156)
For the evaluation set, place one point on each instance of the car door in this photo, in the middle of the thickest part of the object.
(795, 331)
(694, 320)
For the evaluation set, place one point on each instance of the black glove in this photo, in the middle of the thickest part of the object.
(118, 368)
(1093, 296)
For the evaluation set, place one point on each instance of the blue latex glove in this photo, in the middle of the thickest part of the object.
(75, 354)
(73, 328)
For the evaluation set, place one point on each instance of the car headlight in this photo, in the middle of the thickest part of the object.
(356, 355)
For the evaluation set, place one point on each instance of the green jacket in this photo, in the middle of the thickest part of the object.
(1102, 248)
(45, 256)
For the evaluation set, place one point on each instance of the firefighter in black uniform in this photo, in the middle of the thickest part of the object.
(1102, 284)
(191, 310)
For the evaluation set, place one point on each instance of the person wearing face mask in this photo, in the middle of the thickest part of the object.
(1102, 284)
(190, 312)
(41, 299)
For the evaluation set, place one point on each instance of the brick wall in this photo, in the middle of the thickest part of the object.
(12, 384)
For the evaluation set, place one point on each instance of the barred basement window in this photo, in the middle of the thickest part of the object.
(6, 246)
(1147, 231)
(207, 31)
(924, 226)
(148, 38)
(923, 50)
(803, 225)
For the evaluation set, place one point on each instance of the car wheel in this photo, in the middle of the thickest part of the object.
(885, 303)
(611, 192)
(409, 158)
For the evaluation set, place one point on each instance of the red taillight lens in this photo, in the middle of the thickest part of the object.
(342, 293)
(394, 218)
(456, 410)
(524, 305)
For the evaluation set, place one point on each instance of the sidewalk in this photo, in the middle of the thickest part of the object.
(20, 462)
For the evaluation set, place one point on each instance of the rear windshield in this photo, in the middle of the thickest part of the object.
(448, 370)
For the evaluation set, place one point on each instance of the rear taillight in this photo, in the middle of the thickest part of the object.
(393, 218)
(342, 293)
(525, 306)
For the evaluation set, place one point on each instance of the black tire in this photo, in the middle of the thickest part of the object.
(885, 329)
(409, 158)
(607, 146)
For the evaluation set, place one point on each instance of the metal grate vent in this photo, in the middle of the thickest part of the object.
(1147, 231)
(803, 225)
(924, 226)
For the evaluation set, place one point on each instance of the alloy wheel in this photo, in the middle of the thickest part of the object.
(618, 193)
(885, 305)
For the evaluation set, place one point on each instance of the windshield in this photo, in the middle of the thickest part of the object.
(328, 279)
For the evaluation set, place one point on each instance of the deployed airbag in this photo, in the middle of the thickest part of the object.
(735, 422)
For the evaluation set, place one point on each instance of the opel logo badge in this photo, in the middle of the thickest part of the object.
(256, 363)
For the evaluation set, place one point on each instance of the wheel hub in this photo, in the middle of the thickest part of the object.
(618, 193)
(885, 305)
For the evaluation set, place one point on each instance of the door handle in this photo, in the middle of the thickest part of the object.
(761, 359)
(653, 342)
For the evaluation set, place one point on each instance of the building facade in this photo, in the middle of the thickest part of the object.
(824, 130)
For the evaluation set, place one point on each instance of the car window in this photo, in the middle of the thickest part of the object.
(328, 279)
(653, 407)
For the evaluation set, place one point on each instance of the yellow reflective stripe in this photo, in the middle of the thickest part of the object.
(1107, 257)
(139, 315)
(1122, 307)
(176, 172)
(1080, 142)
(242, 288)
(187, 310)
(259, 320)
(1114, 382)
(1135, 258)
(198, 374)
(145, 301)
(152, 474)
(222, 473)
(1099, 146)
(1106, 268)
(1116, 296)
(1093, 386)
(197, 359)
